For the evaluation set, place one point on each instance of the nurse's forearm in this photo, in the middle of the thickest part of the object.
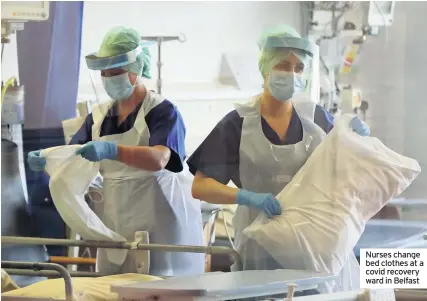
(151, 158)
(211, 191)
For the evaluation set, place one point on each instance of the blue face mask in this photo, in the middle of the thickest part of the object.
(284, 85)
(118, 87)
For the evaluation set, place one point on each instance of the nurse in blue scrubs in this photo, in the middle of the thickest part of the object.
(263, 143)
(138, 138)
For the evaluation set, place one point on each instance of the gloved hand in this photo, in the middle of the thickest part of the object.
(360, 127)
(262, 201)
(96, 151)
(35, 161)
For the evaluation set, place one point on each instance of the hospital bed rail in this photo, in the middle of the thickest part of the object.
(15, 240)
(48, 267)
(47, 274)
(240, 293)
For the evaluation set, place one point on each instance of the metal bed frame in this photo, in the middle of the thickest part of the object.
(55, 270)
(40, 269)
(14, 240)
(52, 269)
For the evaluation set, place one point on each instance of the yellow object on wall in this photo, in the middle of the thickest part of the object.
(349, 56)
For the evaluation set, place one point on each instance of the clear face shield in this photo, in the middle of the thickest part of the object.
(297, 56)
(113, 78)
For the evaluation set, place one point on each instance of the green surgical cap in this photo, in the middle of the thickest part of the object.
(120, 40)
(270, 57)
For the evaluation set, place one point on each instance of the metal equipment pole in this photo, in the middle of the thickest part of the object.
(159, 65)
(159, 40)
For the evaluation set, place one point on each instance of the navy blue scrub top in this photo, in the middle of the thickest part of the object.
(218, 155)
(164, 122)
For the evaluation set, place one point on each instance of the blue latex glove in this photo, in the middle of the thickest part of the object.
(35, 161)
(360, 127)
(96, 151)
(262, 201)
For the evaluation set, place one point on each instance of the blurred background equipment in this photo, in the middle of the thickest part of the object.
(14, 15)
(35, 37)
(341, 28)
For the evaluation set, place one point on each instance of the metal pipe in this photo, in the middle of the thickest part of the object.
(159, 66)
(52, 274)
(118, 245)
(181, 38)
(37, 266)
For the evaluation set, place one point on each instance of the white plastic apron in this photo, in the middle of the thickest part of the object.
(157, 202)
(268, 168)
(265, 167)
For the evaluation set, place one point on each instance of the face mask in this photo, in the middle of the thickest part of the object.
(118, 87)
(284, 85)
